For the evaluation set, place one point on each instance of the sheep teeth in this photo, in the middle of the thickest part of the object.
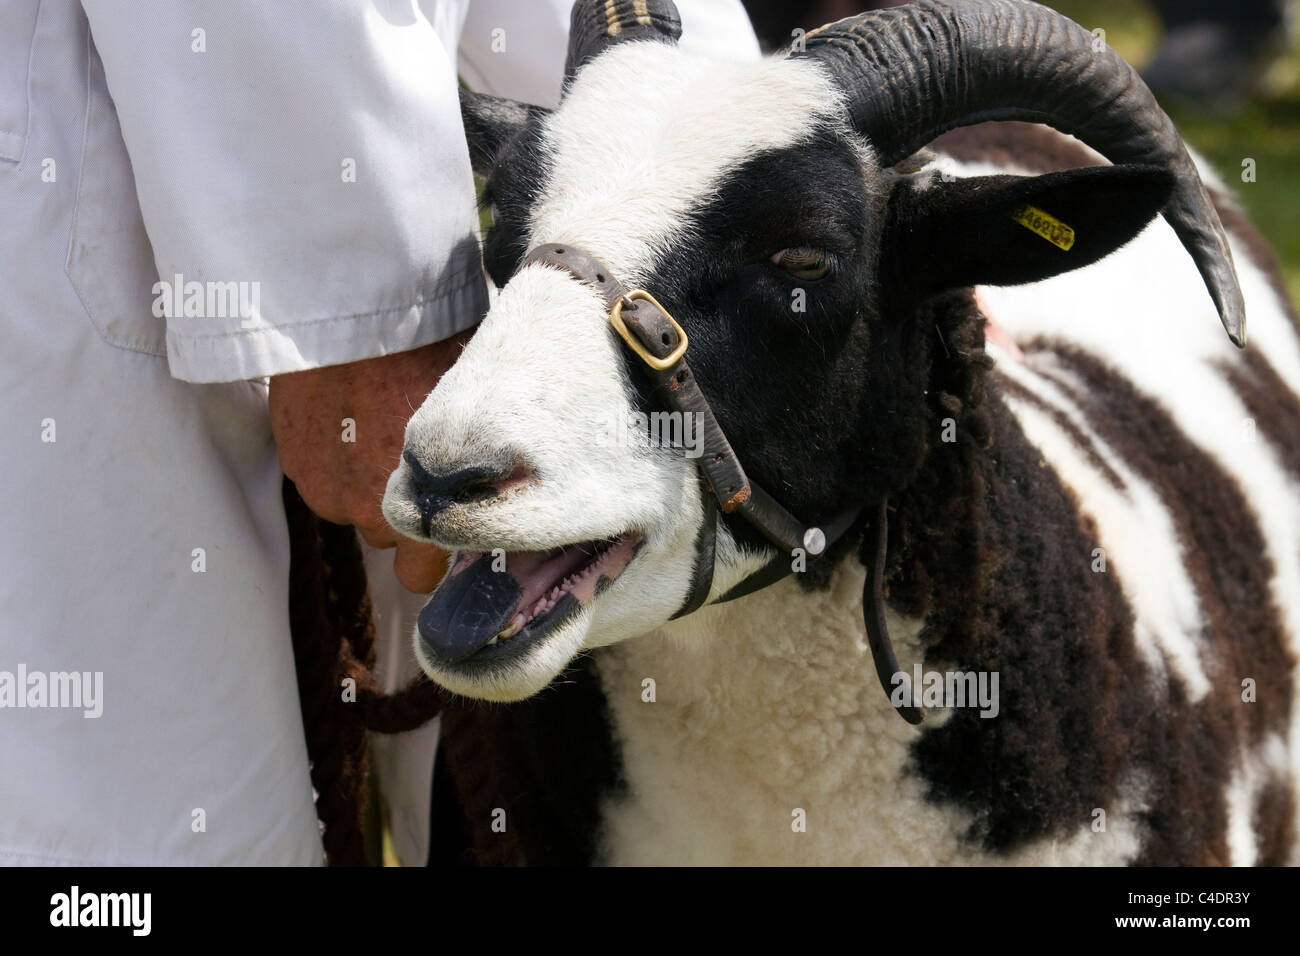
(514, 627)
(540, 607)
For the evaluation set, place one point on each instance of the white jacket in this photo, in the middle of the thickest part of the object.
(297, 171)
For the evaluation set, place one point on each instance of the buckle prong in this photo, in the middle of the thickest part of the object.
(616, 320)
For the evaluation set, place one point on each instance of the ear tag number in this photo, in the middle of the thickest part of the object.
(1045, 225)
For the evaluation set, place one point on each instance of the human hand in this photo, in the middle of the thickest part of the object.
(339, 432)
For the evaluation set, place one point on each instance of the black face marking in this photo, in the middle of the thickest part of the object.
(510, 191)
(758, 332)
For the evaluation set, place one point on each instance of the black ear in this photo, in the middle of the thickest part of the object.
(1009, 230)
(491, 122)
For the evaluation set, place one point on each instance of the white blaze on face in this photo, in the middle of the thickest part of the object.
(649, 132)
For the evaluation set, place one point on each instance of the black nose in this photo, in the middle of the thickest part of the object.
(435, 492)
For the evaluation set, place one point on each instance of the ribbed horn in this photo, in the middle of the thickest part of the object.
(916, 71)
(595, 25)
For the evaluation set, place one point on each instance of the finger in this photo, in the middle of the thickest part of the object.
(321, 506)
(419, 566)
(378, 536)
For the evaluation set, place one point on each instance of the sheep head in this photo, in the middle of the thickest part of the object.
(762, 204)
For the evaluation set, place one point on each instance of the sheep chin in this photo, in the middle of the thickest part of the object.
(513, 680)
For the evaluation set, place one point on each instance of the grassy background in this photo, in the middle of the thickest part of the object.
(1267, 130)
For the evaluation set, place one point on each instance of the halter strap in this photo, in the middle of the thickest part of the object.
(654, 336)
(651, 333)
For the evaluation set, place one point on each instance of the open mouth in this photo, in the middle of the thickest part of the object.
(494, 604)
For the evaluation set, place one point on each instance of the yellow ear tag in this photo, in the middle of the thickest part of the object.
(1046, 225)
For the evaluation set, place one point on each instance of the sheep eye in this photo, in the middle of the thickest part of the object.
(803, 262)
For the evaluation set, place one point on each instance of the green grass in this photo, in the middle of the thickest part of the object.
(1267, 131)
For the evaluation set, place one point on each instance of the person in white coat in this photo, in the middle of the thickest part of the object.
(203, 204)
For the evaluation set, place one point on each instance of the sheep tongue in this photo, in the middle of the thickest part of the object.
(469, 608)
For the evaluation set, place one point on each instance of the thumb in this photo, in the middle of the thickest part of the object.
(419, 566)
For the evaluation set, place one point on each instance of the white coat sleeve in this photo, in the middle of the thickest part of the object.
(515, 49)
(302, 176)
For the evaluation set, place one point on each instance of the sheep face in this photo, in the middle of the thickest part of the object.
(740, 198)
(736, 197)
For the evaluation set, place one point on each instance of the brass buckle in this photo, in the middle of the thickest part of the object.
(616, 320)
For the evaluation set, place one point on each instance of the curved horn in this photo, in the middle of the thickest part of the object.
(595, 25)
(916, 71)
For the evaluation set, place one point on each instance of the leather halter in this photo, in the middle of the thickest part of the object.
(651, 334)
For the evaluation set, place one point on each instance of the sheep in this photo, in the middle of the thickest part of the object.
(991, 456)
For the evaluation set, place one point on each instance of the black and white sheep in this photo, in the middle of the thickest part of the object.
(1091, 495)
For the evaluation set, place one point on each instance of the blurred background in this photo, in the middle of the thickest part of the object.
(1227, 71)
